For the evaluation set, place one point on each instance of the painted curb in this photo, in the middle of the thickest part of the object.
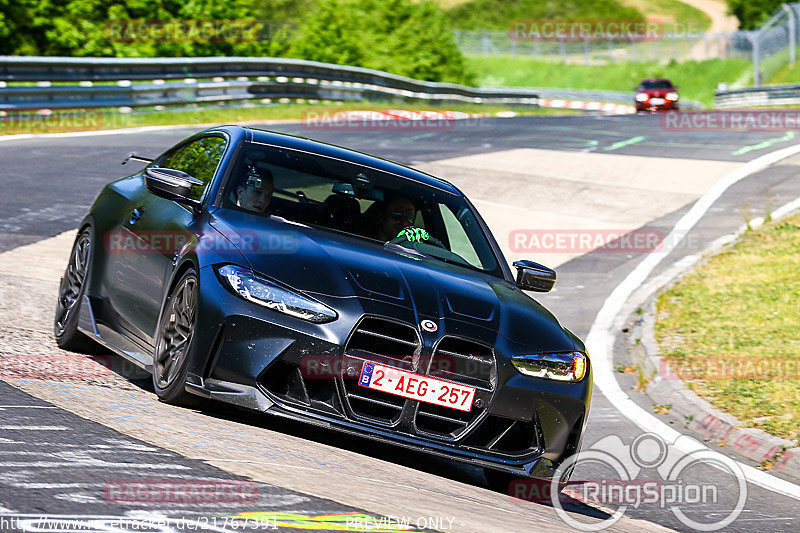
(583, 105)
(631, 293)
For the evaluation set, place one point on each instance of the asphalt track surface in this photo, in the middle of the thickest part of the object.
(48, 183)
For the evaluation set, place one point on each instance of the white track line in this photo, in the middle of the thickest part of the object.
(35, 428)
(601, 336)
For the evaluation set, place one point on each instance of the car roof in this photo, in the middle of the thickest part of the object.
(345, 154)
(656, 79)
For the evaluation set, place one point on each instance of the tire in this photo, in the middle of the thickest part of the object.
(174, 337)
(70, 294)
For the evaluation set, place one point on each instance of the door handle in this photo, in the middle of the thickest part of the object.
(136, 215)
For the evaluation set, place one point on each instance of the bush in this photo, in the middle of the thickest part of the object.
(403, 37)
(80, 28)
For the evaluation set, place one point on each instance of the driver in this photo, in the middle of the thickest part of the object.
(397, 215)
(254, 193)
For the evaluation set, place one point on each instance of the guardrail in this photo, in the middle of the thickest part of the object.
(68, 82)
(766, 95)
(275, 78)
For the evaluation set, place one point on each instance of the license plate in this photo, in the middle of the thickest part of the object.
(657, 101)
(416, 387)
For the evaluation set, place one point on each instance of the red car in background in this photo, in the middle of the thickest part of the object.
(656, 94)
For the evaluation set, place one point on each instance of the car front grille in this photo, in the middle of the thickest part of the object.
(389, 343)
(397, 344)
(464, 362)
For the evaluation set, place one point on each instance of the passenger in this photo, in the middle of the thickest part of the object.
(255, 190)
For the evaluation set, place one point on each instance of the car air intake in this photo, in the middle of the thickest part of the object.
(461, 361)
(389, 343)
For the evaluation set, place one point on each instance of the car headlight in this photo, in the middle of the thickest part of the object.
(570, 366)
(253, 288)
(642, 97)
(672, 96)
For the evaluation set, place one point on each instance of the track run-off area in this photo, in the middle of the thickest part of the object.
(64, 442)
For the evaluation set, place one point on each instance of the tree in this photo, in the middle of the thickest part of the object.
(404, 37)
(753, 13)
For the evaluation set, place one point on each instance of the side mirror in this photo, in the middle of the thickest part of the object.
(172, 184)
(534, 277)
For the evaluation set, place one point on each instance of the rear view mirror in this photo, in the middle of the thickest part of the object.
(342, 187)
(532, 276)
(172, 184)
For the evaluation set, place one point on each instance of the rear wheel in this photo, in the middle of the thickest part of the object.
(70, 293)
(175, 331)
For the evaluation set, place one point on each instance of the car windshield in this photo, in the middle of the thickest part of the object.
(359, 201)
(657, 84)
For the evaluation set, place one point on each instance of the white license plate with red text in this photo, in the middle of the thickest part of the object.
(416, 387)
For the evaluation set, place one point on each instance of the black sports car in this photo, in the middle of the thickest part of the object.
(317, 283)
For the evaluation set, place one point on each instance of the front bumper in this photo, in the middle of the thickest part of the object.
(256, 358)
(667, 106)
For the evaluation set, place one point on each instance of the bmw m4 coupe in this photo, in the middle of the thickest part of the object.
(309, 281)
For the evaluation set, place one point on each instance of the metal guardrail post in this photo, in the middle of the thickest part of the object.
(792, 33)
(754, 45)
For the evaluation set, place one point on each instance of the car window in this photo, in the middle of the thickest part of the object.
(199, 159)
(656, 85)
(457, 237)
(360, 201)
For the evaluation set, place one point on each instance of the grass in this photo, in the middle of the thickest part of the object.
(498, 14)
(786, 73)
(697, 79)
(732, 329)
(88, 120)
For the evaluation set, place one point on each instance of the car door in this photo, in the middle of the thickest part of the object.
(159, 227)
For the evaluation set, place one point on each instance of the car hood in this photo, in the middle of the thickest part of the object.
(326, 264)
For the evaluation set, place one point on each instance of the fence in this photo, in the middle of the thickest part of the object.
(669, 46)
(770, 47)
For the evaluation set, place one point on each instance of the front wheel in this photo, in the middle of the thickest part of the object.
(70, 292)
(175, 330)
